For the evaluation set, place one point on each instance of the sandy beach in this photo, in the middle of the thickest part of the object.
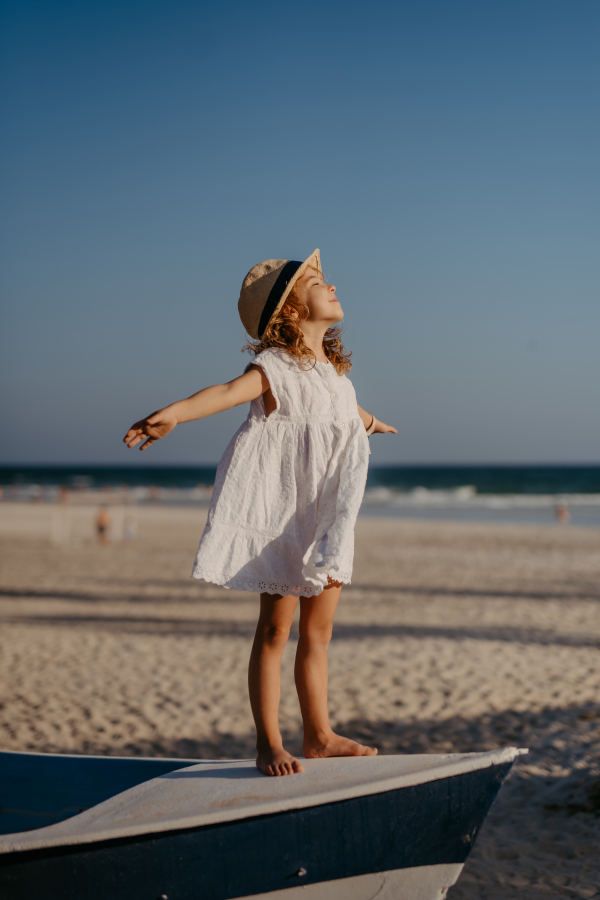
(452, 637)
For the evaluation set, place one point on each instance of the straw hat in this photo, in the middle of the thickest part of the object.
(266, 288)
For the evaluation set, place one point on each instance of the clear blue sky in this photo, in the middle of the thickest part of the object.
(443, 154)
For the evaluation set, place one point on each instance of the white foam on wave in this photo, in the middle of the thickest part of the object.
(466, 497)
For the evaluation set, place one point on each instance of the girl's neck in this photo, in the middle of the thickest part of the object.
(313, 338)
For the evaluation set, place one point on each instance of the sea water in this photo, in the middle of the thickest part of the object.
(496, 493)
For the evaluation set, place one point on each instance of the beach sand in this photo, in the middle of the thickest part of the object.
(452, 637)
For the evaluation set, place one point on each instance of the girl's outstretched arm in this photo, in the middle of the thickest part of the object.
(207, 402)
(380, 427)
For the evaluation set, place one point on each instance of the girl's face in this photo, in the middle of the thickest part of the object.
(318, 297)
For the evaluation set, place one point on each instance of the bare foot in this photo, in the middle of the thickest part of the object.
(336, 745)
(277, 761)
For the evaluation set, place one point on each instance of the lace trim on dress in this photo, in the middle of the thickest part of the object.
(270, 587)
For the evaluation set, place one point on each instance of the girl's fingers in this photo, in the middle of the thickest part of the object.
(151, 440)
(134, 433)
(146, 428)
(142, 430)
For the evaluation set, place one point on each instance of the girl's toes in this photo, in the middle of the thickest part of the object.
(367, 751)
(297, 767)
(277, 763)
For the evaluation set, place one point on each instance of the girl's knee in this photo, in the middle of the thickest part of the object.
(273, 633)
(316, 634)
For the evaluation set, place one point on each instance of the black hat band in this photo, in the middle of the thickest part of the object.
(276, 292)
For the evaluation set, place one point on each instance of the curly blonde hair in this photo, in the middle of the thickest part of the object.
(283, 332)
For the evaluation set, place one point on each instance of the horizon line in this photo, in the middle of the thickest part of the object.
(210, 465)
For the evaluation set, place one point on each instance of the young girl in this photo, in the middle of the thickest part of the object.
(287, 491)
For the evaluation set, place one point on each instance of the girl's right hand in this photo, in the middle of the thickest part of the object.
(153, 428)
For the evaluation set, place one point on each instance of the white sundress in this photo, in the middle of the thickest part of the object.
(289, 486)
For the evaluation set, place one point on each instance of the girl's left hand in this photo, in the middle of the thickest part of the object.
(382, 428)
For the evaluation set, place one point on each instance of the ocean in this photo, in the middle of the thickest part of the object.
(510, 493)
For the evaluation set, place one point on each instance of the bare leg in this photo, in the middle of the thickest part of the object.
(316, 622)
(264, 683)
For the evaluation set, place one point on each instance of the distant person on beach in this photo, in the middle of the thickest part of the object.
(563, 516)
(129, 530)
(102, 524)
(287, 491)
